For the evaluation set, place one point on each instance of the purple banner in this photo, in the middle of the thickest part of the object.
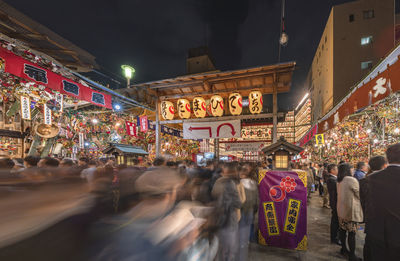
(282, 215)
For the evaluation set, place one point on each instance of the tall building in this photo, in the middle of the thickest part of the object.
(356, 36)
(199, 61)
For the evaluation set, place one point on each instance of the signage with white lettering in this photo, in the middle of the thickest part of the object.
(25, 108)
(60, 100)
(245, 146)
(47, 115)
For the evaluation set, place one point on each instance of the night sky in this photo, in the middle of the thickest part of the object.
(154, 36)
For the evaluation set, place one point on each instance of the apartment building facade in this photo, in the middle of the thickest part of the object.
(357, 36)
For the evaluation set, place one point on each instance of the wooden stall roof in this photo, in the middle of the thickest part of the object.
(18, 26)
(267, 79)
(282, 144)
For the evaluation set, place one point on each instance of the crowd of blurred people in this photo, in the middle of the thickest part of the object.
(164, 211)
(364, 195)
(172, 210)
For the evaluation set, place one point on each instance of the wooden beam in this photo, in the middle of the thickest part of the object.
(56, 51)
(176, 96)
(225, 118)
(217, 79)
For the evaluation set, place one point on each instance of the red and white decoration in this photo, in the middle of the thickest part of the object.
(130, 128)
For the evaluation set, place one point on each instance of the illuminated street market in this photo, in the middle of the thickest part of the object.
(199, 130)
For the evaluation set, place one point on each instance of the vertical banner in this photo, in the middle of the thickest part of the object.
(144, 124)
(81, 140)
(282, 211)
(60, 100)
(130, 128)
(47, 115)
(25, 108)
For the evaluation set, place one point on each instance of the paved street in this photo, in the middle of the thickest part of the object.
(319, 246)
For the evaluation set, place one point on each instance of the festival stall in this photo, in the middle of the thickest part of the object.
(365, 122)
(34, 94)
(282, 214)
(90, 133)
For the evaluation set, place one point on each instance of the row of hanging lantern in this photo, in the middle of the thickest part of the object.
(215, 106)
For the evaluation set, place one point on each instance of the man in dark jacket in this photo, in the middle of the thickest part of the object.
(331, 181)
(383, 209)
(376, 163)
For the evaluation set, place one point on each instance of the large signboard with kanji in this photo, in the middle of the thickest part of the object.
(282, 218)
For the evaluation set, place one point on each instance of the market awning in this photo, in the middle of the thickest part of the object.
(124, 149)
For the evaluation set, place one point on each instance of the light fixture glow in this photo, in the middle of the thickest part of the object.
(357, 136)
(347, 133)
(397, 130)
(369, 131)
(118, 124)
(95, 121)
(376, 140)
(128, 71)
(302, 100)
(117, 107)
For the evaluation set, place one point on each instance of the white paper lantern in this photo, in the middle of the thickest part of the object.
(184, 109)
(199, 107)
(235, 103)
(167, 110)
(217, 106)
(255, 102)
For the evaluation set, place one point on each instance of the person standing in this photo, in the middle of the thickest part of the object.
(310, 180)
(319, 179)
(248, 210)
(331, 183)
(325, 193)
(229, 202)
(383, 209)
(376, 163)
(349, 209)
(361, 170)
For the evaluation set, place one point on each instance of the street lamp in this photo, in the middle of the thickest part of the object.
(128, 73)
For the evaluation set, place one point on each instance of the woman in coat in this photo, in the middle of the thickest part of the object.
(349, 209)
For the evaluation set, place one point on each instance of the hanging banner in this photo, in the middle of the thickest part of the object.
(257, 132)
(245, 146)
(310, 134)
(211, 130)
(81, 140)
(130, 128)
(25, 108)
(144, 124)
(319, 139)
(23, 68)
(282, 217)
(47, 115)
(60, 100)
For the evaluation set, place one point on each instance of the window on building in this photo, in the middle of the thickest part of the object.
(368, 14)
(366, 40)
(366, 65)
(326, 39)
(351, 18)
